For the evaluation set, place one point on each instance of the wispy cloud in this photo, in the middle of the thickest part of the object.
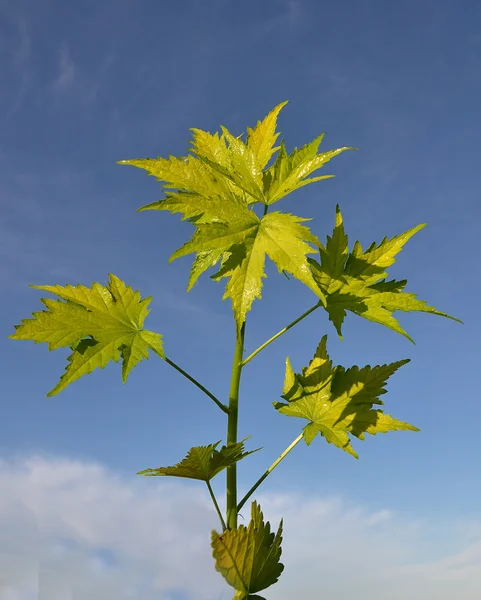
(72, 78)
(65, 78)
(75, 529)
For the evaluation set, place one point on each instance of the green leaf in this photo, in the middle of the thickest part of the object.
(197, 208)
(356, 281)
(217, 183)
(337, 402)
(203, 261)
(188, 174)
(222, 164)
(203, 462)
(241, 168)
(248, 240)
(290, 171)
(262, 138)
(248, 557)
(100, 324)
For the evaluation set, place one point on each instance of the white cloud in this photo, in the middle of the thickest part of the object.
(66, 70)
(71, 530)
(59, 517)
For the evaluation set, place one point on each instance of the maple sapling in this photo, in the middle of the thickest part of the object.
(217, 188)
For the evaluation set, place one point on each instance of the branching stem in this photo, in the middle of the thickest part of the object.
(231, 487)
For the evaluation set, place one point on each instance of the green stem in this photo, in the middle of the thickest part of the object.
(211, 492)
(231, 487)
(269, 470)
(222, 406)
(279, 333)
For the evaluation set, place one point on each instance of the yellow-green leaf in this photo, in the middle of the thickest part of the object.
(100, 324)
(203, 462)
(248, 239)
(356, 280)
(337, 402)
(262, 138)
(183, 173)
(223, 172)
(290, 172)
(249, 557)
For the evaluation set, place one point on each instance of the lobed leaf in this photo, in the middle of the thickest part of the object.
(339, 402)
(356, 281)
(100, 324)
(291, 171)
(217, 183)
(203, 462)
(262, 138)
(247, 241)
(249, 557)
(188, 174)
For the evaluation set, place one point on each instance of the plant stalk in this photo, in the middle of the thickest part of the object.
(279, 333)
(214, 500)
(222, 406)
(269, 470)
(232, 419)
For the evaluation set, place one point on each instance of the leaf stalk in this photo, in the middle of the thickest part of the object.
(214, 500)
(269, 471)
(222, 406)
(279, 333)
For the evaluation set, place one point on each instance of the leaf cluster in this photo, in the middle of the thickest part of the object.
(217, 186)
(225, 188)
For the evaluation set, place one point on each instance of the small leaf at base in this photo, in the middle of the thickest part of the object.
(248, 557)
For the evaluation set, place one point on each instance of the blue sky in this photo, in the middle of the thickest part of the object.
(83, 85)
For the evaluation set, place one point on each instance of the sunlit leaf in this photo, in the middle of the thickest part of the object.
(356, 281)
(339, 402)
(100, 324)
(248, 239)
(217, 184)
